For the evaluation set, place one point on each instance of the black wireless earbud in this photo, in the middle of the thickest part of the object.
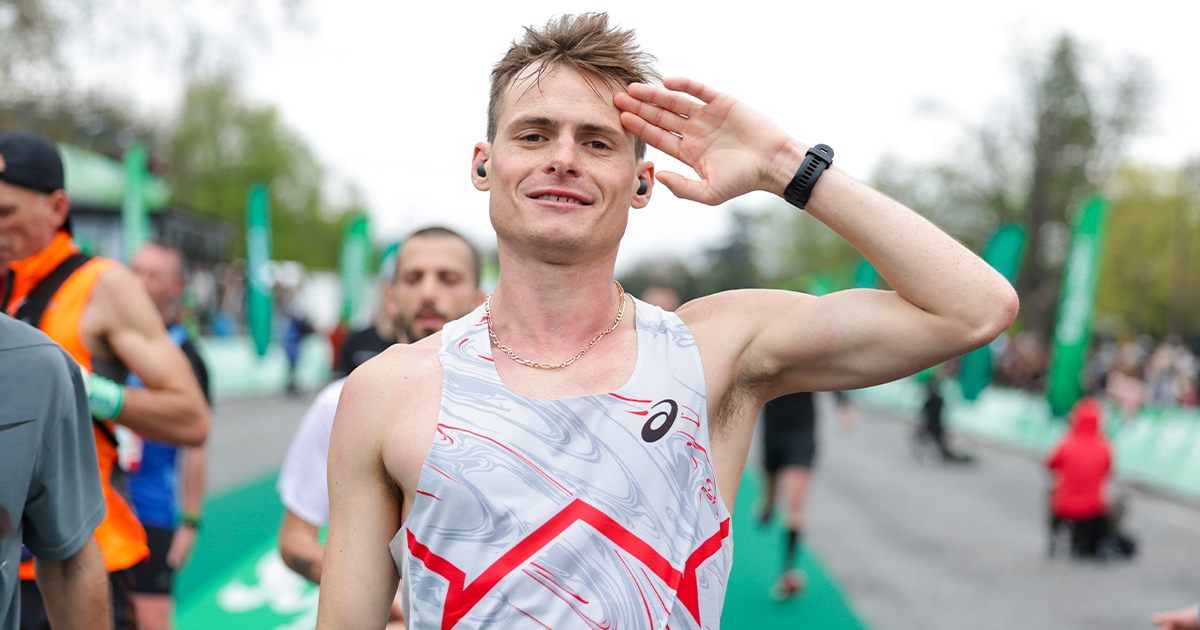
(643, 186)
(482, 171)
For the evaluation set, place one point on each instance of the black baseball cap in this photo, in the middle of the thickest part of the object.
(29, 160)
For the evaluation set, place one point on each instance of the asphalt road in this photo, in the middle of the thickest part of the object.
(914, 546)
(931, 546)
(249, 437)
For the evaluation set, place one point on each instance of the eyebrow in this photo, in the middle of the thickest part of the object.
(547, 122)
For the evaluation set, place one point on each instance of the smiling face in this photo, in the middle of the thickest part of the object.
(561, 170)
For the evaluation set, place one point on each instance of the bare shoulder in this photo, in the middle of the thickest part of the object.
(748, 306)
(728, 326)
(120, 302)
(390, 379)
(389, 409)
(119, 309)
(725, 323)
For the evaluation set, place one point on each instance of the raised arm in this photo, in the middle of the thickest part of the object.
(946, 300)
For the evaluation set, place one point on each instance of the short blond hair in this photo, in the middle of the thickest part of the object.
(585, 43)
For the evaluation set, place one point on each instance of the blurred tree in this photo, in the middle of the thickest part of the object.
(28, 38)
(732, 265)
(1149, 280)
(40, 40)
(95, 121)
(223, 144)
(1034, 165)
(728, 266)
(795, 251)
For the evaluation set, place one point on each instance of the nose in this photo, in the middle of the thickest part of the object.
(428, 287)
(564, 156)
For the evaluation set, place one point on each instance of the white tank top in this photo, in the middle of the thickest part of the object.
(597, 512)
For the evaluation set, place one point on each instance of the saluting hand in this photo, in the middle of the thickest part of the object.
(732, 147)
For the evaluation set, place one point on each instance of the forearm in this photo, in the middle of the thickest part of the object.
(301, 548)
(195, 464)
(75, 590)
(174, 416)
(923, 264)
(305, 558)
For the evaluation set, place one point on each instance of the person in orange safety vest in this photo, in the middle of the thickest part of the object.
(98, 311)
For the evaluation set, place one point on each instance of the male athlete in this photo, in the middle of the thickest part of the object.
(436, 280)
(99, 313)
(567, 455)
(153, 477)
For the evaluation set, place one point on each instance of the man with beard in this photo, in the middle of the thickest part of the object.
(436, 280)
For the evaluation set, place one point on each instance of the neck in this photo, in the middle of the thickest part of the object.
(549, 311)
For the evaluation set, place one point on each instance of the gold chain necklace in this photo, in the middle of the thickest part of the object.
(487, 309)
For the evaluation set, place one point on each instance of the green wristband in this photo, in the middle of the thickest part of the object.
(105, 398)
(191, 519)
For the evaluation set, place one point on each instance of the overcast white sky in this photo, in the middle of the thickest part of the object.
(392, 95)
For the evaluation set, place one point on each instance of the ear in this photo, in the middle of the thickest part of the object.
(645, 171)
(59, 206)
(482, 153)
(389, 298)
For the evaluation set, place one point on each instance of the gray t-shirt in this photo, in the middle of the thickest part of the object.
(50, 497)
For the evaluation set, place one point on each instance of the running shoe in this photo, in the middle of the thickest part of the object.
(789, 586)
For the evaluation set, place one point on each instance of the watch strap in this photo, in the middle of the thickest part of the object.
(816, 160)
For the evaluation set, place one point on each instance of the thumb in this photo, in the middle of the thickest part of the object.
(683, 187)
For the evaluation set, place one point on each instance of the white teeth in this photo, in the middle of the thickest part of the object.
(560, 199)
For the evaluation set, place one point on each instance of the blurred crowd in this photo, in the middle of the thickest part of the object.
(1131, 373)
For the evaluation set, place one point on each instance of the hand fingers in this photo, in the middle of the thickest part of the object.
(674, 101)
(654, 136)
(695, 88)
(654, 114)
(683, 187)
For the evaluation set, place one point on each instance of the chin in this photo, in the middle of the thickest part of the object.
(568, 244)
(558, 249)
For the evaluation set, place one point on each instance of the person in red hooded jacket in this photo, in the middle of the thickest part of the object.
(1081, 465)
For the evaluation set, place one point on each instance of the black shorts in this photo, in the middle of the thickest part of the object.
(33, 609)
(153, 575)
(788, 448)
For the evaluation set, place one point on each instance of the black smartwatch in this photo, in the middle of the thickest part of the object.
(815, 162)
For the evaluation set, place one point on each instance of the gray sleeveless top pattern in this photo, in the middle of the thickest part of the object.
(596, 512)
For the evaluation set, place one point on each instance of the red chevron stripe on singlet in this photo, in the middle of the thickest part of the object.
(462, 597)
